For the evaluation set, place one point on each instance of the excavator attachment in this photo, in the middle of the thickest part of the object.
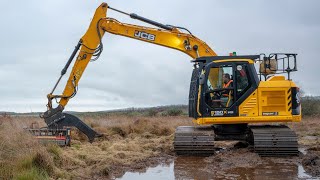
(59, 120)
(72, 121)
(61, 137)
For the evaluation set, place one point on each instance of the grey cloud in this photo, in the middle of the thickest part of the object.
(39, 37)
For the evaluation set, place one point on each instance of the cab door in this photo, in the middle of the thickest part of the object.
(225, 86)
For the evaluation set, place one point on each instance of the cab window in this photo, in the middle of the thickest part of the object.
(219, 87)
(242, 79)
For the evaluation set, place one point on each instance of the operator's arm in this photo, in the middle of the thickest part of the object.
(91, 45)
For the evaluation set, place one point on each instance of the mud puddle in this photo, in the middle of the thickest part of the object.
(234, 165)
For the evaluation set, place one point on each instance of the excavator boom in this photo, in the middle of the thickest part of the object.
(90, 47)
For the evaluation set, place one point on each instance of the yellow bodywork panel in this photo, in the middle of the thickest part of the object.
(250, 106)
(238, 120)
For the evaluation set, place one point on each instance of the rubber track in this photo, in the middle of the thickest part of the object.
(274, 140)
(190, 140)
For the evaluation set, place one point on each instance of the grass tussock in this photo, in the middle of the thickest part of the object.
(21, 157)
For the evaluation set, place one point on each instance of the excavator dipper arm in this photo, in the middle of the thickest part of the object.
(90, 47)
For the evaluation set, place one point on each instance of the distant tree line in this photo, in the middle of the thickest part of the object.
(310, 105)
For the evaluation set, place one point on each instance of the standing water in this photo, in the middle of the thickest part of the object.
(201, 168)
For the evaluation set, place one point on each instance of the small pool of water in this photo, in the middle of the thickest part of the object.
(159, 172)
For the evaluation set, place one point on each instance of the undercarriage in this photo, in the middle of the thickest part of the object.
(265, 140)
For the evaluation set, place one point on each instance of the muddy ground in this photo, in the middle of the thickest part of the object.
(311, 161)
(135, 143)
(234, 160)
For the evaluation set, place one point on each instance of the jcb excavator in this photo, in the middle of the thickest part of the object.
(225, 111)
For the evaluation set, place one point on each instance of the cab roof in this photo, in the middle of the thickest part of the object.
(208, 59)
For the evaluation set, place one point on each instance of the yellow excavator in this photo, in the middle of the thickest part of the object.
(226, 93)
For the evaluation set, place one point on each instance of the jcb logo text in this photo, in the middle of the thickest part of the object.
(144, 35)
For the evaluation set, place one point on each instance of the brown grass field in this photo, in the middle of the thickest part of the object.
(129, 142)
(126, 140)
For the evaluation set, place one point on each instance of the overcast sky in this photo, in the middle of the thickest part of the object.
(37, 38)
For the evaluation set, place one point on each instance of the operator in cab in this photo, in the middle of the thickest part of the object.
(227, 83)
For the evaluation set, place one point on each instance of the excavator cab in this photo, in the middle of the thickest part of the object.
(225, 81)
(226, 84)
